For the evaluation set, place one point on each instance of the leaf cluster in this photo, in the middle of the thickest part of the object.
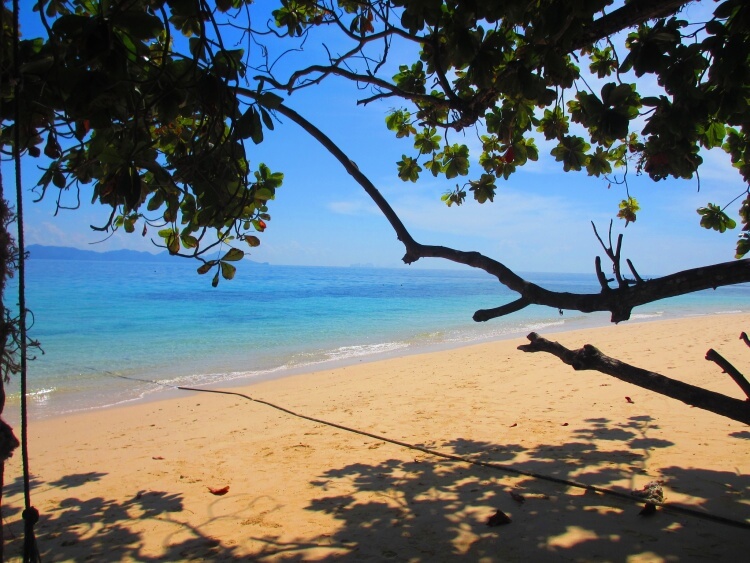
(513, 69)
(153, 132)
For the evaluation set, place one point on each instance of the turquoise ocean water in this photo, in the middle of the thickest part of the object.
(161, 321)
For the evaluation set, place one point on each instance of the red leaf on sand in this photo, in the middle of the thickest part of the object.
(514, 424)
(564, 423)
(157, 457)
(219, 491)
(629, 400)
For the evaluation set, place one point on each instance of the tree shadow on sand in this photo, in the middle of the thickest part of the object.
(423, 508)
(99, 529)
(432, 509)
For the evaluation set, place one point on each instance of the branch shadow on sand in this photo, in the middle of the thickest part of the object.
(432, 509)
(422, 508)
(99, 529)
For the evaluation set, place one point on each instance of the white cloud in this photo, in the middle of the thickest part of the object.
(354, 207)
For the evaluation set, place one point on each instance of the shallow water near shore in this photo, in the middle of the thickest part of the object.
(103, 326)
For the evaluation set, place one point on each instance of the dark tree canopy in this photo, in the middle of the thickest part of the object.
(518, 70)
(152, 105)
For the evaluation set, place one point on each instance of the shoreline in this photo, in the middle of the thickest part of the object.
(133, 483)
(165, 390)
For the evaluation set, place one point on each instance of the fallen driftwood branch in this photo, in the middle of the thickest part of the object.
(590, 358)
(713, 356)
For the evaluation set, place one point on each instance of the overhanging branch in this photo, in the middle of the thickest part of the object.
(632, 14)
(619, 301)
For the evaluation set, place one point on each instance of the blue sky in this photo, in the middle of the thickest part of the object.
(540, 220)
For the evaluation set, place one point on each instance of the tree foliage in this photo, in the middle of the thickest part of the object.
(519, 71)
(147, 102)
(138, 100)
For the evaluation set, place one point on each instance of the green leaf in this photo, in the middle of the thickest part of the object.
(233, 255)
(171, 239)
(628, 209)
(571, 151)
(598, 163)
(713, 217)
(248, 125)
(456, 196)
(205, 268)
(264, 193)
(270, 100)
(227, 270)
(257, 128)
(252, 241)
(156, 201)
(267, 121)
(215, 281)
(456, 161)
(743, 245)
(189, 241)
(714, 135)
(408, 169)
(484, 188)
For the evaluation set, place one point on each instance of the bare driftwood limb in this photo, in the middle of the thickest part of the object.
(590, 358)
(744, 338)
(713, 356)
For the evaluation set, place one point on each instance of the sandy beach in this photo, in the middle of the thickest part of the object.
(215, 477)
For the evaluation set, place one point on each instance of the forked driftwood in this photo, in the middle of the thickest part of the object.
(590, 358)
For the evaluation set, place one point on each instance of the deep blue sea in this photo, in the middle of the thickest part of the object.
(97, 320)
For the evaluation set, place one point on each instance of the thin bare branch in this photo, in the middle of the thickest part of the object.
(603, 281)
(638, 278)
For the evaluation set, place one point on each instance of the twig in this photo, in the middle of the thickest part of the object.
(638, 278)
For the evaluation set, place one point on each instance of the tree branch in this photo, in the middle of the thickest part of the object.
(487, 314)
(619, 301)
(590, 358)
(324, 71)
(633, 13)
(713, 356)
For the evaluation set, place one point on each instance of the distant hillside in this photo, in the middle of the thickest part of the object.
(43, 252)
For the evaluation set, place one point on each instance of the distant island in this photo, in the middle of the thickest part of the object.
(43, 252)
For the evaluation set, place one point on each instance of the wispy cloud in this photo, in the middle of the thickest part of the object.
(353, 207)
